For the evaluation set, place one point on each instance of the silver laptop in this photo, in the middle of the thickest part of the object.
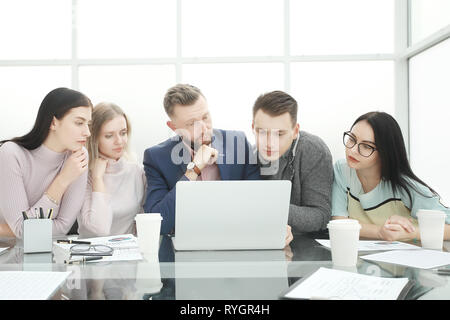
(231, 215)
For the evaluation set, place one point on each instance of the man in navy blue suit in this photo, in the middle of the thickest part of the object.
(197, 152)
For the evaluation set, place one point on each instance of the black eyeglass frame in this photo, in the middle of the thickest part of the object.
(347, 133)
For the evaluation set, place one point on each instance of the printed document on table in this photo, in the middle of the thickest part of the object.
(336, 284)
(369, 245)
(30, 285)
(423, 259)
(125, 247)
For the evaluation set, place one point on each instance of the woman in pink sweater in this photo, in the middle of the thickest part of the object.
(116, 186)
(47, 167)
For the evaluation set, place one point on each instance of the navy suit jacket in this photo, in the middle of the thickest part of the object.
(165, 164)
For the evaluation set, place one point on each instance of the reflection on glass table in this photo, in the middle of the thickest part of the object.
(224, 275)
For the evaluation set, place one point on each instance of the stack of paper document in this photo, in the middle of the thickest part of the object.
(369, 245)
(125, 247)
(336, 284)
(24, 285)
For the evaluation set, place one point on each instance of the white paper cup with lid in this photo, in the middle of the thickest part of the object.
(148, 228)
(431, 226)
(344, 239)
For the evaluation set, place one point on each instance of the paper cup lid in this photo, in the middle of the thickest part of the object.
(344, 224)
(149, 216)
(435, 213)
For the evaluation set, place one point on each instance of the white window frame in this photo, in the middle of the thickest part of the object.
(403, 51)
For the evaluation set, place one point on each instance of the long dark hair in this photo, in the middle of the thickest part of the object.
(395, 166)
(55, 104)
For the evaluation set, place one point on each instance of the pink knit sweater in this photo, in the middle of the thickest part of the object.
(24, 177)
(113, 212)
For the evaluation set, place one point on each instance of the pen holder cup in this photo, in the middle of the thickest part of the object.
(37, 235)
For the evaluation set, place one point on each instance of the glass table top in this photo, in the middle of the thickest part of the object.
(208, 275)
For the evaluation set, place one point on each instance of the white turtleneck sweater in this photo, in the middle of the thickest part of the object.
(113, 212)
(24, 177)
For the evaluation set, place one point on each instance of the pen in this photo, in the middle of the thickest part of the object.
(73, 241)
(119, 239)
(25, 217)
(41, 213)
(387, 242)
(84, 259)
(50, 213)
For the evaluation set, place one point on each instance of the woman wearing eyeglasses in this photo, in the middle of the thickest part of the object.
(375, 184)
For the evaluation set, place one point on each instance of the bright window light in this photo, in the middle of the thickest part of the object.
(139, 91)
(428, 17)
(232, 28)
(126, 29)
(35, 29)
(332, 95)
(231, 90)
(22, 91)
(429, 115)
(327, 27)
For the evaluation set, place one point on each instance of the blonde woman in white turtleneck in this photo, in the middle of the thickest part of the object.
(116, 186)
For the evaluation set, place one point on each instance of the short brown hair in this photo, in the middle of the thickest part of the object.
(182, 94)
(276, 103)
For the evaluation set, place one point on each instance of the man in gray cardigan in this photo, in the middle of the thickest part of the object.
(286, 153)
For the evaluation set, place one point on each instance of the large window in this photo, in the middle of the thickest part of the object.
(429, 117)
(335, 57)
(428, 57)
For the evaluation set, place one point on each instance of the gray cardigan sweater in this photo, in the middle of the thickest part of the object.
(308, 165)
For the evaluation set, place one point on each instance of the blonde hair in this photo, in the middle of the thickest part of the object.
(103, 112)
